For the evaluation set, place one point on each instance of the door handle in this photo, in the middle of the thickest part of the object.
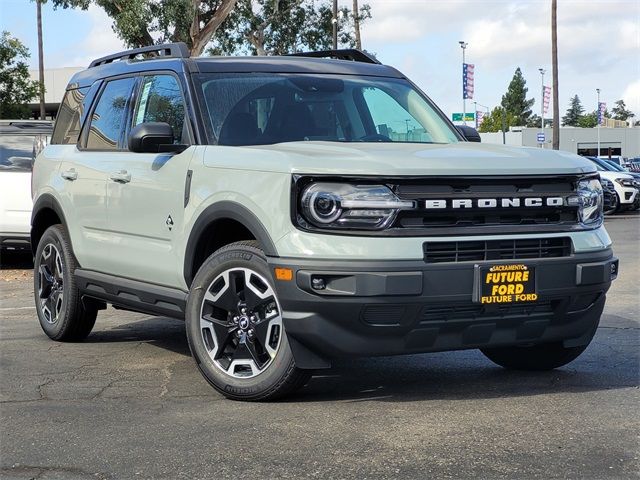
(121, 177)
(70, 174)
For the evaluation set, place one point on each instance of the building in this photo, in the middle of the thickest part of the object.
(615, 142)
(55, 84)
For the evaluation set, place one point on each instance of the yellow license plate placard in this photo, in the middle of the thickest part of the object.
(506, 283)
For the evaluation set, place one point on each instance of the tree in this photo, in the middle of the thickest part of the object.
(16, 88)
(574, 112)
(193, 22)
(535, 122)
(620, 111)
(588, 120)
(515, 100)
(40, 59)
(277, 27)
(498, 120)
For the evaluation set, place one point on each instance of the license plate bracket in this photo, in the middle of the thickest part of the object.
(505, 283)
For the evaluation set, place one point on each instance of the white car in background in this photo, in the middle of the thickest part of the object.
(18, 140)
(626, 186)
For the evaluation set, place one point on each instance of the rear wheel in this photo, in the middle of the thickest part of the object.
(61, 312)
(235, 328)
(537, 357)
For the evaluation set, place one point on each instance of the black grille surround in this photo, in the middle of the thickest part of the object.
(422, 222)
(483, 250)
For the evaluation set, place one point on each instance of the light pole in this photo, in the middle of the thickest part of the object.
(542, 72)
(334, 22)
(463, 45)
(598, 122)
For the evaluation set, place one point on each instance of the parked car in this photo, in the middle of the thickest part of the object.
(610, 197)
(17, 139)
(296, 210)
(627, 187)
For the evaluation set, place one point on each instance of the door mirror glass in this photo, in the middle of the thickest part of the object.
(153, 137)
(469, 133)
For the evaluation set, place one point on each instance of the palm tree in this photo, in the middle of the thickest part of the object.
(40, 59)
(356, 24)
(554, 60)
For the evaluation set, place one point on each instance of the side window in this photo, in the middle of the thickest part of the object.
(67, 127)
(392, 119)
(109, 117)
(160, 100)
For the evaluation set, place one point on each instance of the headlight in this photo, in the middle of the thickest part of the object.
(589, 202)
(625, 182)
(344, 206)
(606, 184)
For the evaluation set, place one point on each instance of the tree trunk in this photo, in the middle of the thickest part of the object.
(356, 24)
(40, 59)
(554, 60)
(201, 36)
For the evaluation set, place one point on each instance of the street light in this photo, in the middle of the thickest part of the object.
(542, 72)
(463, 45)
(598, 114)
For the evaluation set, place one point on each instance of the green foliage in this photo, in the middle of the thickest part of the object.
(134, 21)
(574, 112)
(588, 120)
(499, 119)
(620, 111)
(534, 121)
(16, 88)
(515, 100)
(268, 27)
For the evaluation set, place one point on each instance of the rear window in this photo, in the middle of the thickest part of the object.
(16, 153)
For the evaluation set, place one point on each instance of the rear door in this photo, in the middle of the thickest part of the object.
(146, 191)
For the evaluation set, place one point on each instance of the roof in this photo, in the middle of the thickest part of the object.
(254, 64)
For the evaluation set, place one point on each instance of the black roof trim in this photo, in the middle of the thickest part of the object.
(351, 54)
(168, 50)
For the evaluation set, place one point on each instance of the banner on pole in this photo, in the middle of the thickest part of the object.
(467, 80)
(479, 118)
(602, 107)
(546, 99)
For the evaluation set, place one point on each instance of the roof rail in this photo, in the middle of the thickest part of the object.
(351, 54)
(169, 50)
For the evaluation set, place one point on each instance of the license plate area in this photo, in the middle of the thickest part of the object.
(505, 283)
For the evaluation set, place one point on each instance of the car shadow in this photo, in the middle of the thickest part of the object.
(16, 259)
(610, 362)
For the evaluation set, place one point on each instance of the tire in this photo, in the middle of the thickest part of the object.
(62, 314)
(534, 358)
(238, 339)
(614, 205)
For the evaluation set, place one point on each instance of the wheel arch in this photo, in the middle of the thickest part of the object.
(46, 212)
(223, 214)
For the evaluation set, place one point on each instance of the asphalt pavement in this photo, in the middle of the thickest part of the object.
(129, 403)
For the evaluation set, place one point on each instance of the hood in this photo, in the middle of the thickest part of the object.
(391, 159)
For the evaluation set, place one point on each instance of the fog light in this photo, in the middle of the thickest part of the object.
(318, 283)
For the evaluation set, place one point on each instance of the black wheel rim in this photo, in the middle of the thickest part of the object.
(51, 284)
(241, 323)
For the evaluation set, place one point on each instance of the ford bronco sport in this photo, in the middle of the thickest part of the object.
(295, 210)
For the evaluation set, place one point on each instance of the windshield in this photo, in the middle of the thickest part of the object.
(614, 166)
(266, 108)
(16, 153)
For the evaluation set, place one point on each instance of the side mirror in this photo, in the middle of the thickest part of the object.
(153, 137)
(469, 133)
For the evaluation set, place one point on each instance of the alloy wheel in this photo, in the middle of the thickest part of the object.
(51, 283)
(241, 322)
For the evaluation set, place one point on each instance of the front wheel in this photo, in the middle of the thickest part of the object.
(534, 358)
(235, 328)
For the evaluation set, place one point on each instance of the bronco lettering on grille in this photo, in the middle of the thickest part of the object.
(516, 202)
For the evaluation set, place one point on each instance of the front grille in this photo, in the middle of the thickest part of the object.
(482, 250)
(479, 312)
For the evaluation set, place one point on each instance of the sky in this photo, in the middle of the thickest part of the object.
(598, 45)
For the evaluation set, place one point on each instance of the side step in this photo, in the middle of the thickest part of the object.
(132, 294)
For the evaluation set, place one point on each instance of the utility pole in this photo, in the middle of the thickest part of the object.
(463, 45)
(598, 118)
(334, 21)
(542, 72)
(356, 24)
(40, 59)
(554, 60)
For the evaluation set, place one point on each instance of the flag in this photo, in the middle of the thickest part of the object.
(467, 80)
(602, 107)
(546, 99)
(479, 118)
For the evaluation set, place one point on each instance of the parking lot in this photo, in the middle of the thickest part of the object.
(130, 403)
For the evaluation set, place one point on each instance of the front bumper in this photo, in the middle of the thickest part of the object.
(628, 195)
(396, 307)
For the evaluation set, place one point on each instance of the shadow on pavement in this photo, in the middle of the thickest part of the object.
(15, 259)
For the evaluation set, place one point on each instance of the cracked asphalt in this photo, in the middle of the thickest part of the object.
(129, 403)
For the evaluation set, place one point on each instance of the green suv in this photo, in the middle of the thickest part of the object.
(299, 209)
